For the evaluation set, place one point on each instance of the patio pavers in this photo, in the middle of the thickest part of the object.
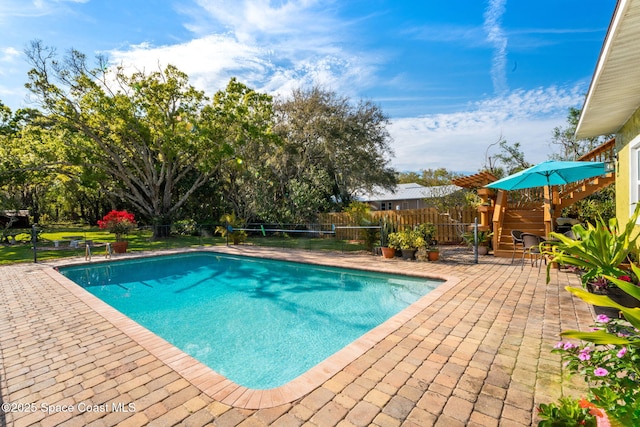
(477, 353)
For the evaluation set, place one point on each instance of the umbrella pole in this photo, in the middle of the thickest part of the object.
(548, 210)
(475, 241)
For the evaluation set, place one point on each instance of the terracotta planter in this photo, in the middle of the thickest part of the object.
(388, 252)
(483, 250)
(434, 255)
(120, 247)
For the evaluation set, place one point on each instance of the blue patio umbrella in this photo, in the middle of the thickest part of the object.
(551, 172)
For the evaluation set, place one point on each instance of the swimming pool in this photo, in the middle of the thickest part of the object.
(260, 323)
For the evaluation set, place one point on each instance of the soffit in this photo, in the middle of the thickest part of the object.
(614, 94)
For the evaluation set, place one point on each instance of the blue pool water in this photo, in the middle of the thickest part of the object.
(260, 323)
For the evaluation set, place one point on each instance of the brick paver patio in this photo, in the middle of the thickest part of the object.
(476, 352)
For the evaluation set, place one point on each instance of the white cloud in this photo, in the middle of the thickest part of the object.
(496, 36)
(9, 54)
(272, 48)
(8, 63)
(459, 141)
(209, 61)
(33, 8)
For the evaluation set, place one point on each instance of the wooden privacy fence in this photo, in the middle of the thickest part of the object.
(449, 224)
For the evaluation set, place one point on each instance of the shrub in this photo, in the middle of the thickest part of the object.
(118, 222)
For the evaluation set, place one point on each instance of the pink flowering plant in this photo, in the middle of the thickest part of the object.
(611, 371)
(118, 222)
(608, 357)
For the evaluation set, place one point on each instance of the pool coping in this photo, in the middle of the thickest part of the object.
(216, 385)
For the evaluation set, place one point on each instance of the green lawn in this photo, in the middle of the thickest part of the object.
(22, 251)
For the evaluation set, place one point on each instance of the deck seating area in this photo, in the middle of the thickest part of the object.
(534, 211)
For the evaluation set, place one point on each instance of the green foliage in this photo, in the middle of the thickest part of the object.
(601, 204)
(403, 239)
(151, 142)
(598, 250)
(429, 177)
(425, 235)
(186, 227)
(421, 236)
(387, 226)
(610, 361)
(360, 213)
(241, 119)
(484, 237)
(570, 147)
(228, 229)
(151, 133)
(509, 160)
(611, 367)
(632, 315)
(568, 412)
(348, 141)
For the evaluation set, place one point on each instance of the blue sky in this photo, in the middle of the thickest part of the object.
(454, 76)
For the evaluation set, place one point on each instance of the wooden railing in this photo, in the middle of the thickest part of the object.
(528, 198)
(603, 153)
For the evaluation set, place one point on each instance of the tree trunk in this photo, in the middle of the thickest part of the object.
(161, 228)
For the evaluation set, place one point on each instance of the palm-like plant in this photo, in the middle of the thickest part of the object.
(598, 249)
(228, 230)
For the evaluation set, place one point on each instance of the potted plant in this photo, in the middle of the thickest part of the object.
(386, 228)
(602, 286)
(405, 241)
(433, 252)
(598, 250)
(120, 223)
(394, 242)
(484, 238)
(426, 242)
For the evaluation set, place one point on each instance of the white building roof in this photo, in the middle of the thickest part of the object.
(614, 93)
(409, 192)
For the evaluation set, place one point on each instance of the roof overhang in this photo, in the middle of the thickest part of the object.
(614, 93)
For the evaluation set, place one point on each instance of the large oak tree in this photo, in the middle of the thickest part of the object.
(153, 136)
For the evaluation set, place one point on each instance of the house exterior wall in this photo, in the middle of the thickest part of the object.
(627, 139)
(404, 204)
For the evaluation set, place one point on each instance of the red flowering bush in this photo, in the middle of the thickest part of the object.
(118, 222)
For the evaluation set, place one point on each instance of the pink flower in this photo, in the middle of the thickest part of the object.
(600, 372)
(585, 354)
(568, 346)
(602, 318)
(560, 344)
(622, 352)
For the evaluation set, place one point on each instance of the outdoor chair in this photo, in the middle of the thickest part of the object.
(531, 246)
(516, 237)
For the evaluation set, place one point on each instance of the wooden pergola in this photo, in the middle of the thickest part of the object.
(477, 182)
